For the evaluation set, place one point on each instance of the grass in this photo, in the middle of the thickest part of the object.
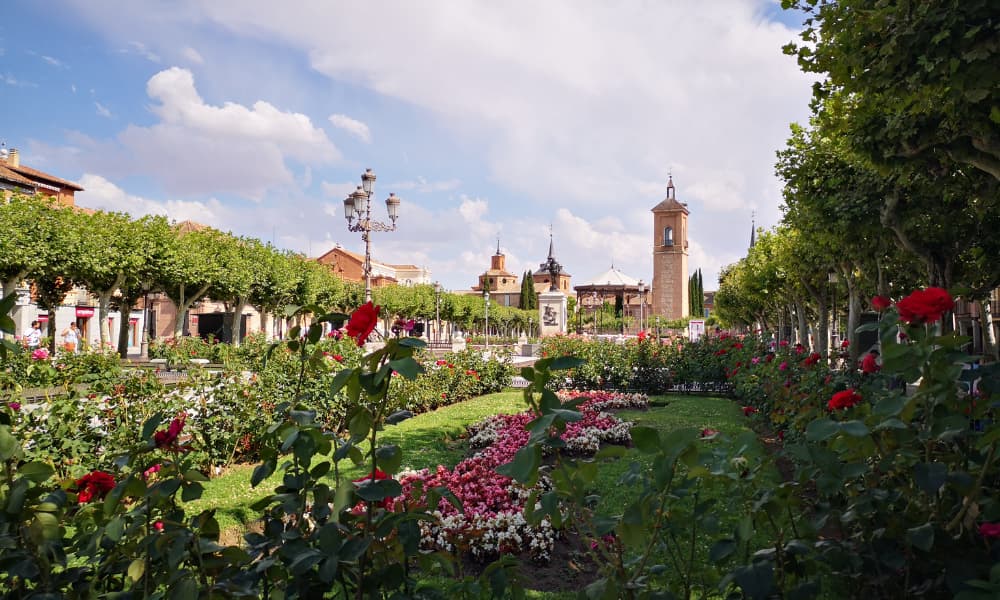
(437, 437)
(427, 440)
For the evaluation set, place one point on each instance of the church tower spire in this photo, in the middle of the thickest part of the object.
(753, 229)
(670, 256)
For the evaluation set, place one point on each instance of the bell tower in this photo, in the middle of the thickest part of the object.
(670, 257)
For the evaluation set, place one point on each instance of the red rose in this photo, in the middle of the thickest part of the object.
(338, 358)
(362, 323)
(708, 432)
(812, 359)
(168, 439)
(925, 306)
(881, 303)
(379, 474)
(990, 530)
(844, 399)
(748, 410)
(845, 343)
(95, 484)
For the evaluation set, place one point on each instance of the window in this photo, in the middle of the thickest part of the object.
(668, 236)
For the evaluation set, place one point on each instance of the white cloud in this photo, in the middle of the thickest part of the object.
(199, 148)
(570, 103)
(102, 194)
(55, 62)
(72, 87)
(421, 185)
(140, 48)
(352, 126)
(338, 190)
(102, 110)
(9, 79)
(192, 55)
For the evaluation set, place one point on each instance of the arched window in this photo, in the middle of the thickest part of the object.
(668, 236)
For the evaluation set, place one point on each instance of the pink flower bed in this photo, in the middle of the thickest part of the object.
(493, 521)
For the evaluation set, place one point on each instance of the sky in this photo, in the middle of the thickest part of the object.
(490, 120)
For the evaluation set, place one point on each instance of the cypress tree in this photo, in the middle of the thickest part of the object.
(532, 296)
(524, 301)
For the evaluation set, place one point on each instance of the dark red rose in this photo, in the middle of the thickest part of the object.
(94, 485)
(925, 306)
(168, 439)
(362, 323)
(990, 530)
(881, 303)
(844, 399)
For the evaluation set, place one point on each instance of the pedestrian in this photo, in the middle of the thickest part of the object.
(869, 364)
(34, 337)
(71, 338)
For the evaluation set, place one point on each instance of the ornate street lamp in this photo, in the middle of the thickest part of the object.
(358, 206)
(531, 329)
(642, 301)
(486, 301)
(437, 311)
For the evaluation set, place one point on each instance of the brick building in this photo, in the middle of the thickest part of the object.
(670, 257)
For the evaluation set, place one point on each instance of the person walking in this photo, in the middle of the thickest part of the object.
(71, 338)
(34, 337)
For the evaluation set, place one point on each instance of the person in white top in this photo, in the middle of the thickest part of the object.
(71, 338)
(34, 337)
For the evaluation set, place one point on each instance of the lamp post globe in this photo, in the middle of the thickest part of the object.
(358, 205)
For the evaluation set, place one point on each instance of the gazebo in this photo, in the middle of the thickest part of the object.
(626, 291)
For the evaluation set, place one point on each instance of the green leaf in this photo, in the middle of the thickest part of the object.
(721, 550)
(262, 472)
(398, 417)
(412, 342)
(360, 424)
(890, 406)
(340, 380)
(755, 580)
(407, 367)
(136, 568)
(36, 471)
(524, 467)
(929, 477)
(9, 447)
(854, 428)
(821, 429)
(379, 490)
(921, 537)
(389, 458)
(185, 589)
(646, 439)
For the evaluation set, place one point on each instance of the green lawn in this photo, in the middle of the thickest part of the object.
(427, 440)
(437, 437)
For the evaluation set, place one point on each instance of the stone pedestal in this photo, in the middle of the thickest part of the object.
(552, 313)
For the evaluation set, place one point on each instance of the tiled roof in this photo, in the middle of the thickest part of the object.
(36, 174)
(8, 174)
(670, 204)
(189, 226)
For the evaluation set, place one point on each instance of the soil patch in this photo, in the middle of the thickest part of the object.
(570, 570)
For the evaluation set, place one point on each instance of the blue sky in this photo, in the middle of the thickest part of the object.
(490, 120)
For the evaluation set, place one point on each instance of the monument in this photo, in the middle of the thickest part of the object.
(552, 303)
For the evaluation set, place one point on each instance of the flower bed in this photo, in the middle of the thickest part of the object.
(492, 519)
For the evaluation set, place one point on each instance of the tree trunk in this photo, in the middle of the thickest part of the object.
(184, 304)
(853, 316)
(8, 288)
(125, 308)
(989, 334)
(237, 318)
(803, 324)
(53, 331)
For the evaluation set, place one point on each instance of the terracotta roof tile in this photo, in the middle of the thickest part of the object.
(35, 173)
(10, 175)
